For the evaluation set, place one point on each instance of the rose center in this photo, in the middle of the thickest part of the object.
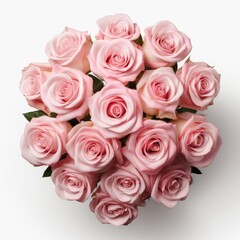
(72, 182)
(94, 149)
(65, 44)
(199, 142)
(117, 108)
(153, 146)
(203, 86)
(43, 143)
(126, 183)
(117, 28)
(196, 139)
(33, 84)
(66, 90)
(118, 211)
(160, 89)
(175, 184)
(117, 59)
(166, 43)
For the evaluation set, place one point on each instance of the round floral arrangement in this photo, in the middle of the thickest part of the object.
(117, 118)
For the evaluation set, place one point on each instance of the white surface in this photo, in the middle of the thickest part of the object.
(29, 207)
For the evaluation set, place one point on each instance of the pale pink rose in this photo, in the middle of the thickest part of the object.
(108, 210)
(125, 183)
(70, 49)
(116, 60)
(33, 77)
(44, 140)
(116, 110)
(66, 93)
(160, 91)
(70, 183)
(89, 149)
(171, 184)
(199, 141)
(151, 147)
(117, 26)
(201, 85)
(164, 45)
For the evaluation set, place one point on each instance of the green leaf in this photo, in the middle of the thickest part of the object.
(35, 114)
(148, 68)
(175, 67)
(139, 41)
(155, 118)
(87, 118)
(161, 119)
(53, 115)
(139, 76)
(97, 83)
(73, 122)
(196, 170)
(131, 85)
(63, 156)
(47, 172)
(182, 110)
(167, 120)
(123, 141)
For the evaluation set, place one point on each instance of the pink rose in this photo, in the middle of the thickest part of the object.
(89, 149)
(116, 110)
(70, 183)
(33, 77)
(201, 85)
(164, 45)
(152, 146)
(66, 93)
(108, 210)
(116, 60)
(171, 184)
(199, 141)
(117, 26)
(44, 140)
(160, 91)
(125, 183)
(70, 49)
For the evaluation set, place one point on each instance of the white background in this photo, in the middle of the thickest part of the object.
(29, 207)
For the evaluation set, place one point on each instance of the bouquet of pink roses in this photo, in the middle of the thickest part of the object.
(117, 118)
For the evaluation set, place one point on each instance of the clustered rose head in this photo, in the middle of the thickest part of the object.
(116, 117)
